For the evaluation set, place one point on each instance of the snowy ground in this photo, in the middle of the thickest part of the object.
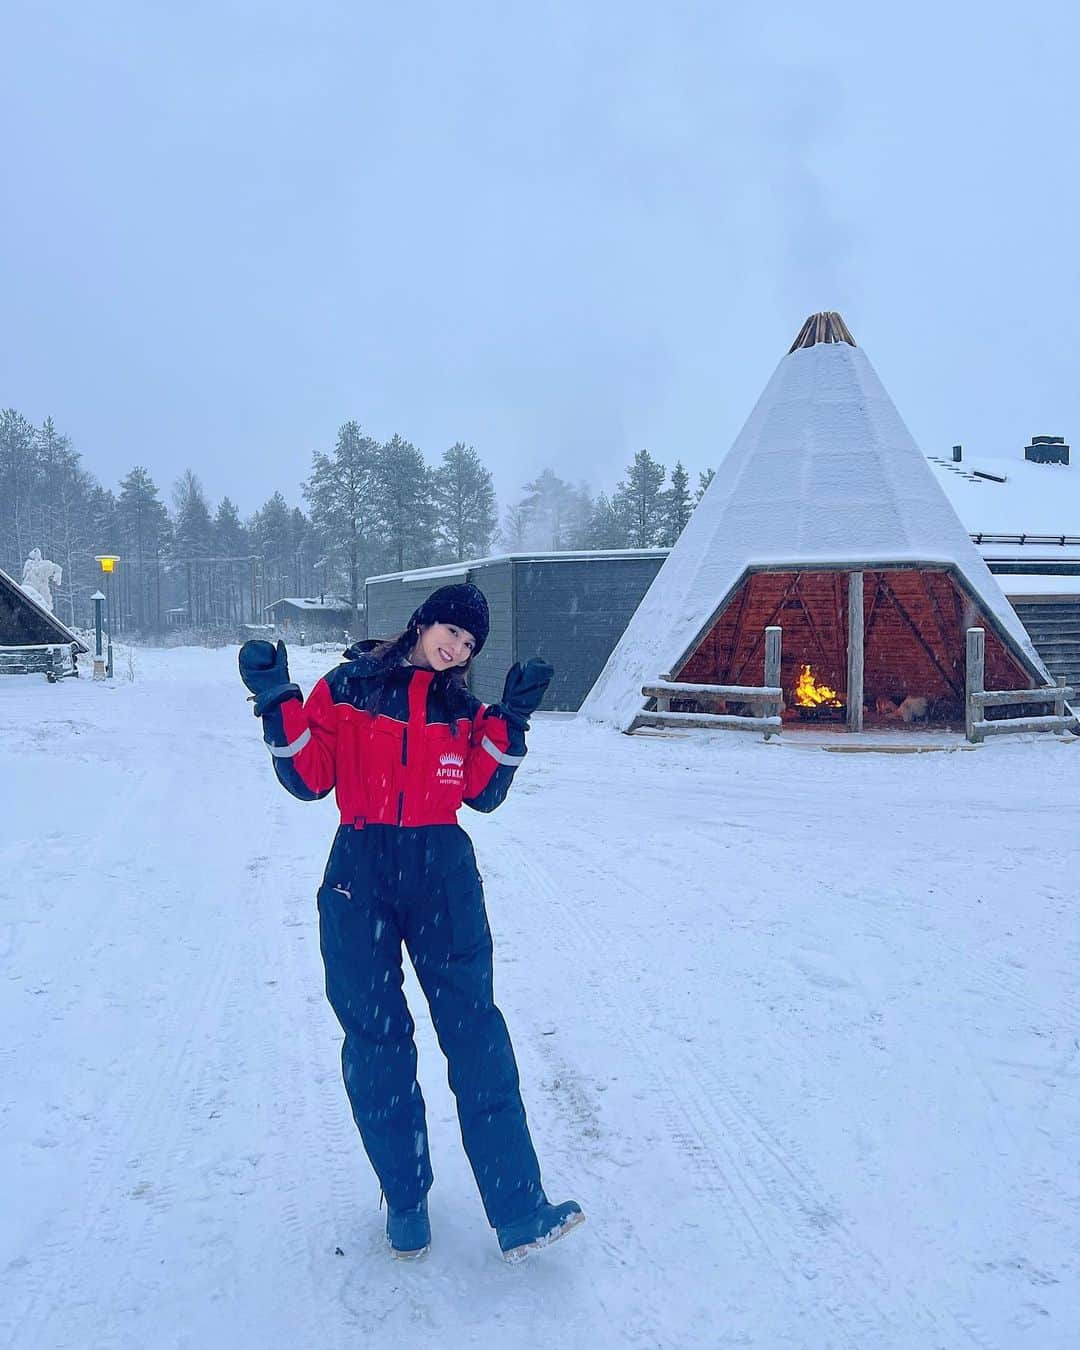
(799, 1030)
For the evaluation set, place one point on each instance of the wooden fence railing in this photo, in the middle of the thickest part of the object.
(768, 697)
(978, 727)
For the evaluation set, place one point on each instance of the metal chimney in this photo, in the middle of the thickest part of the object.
(1047, 450)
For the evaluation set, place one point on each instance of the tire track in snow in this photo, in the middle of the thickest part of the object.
(93, 1229)
(746, 1168)
(693, 1133)
(778, 1180)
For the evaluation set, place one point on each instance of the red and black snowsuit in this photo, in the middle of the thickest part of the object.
(403, 748)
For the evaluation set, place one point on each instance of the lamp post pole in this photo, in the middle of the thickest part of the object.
(99, 659)
(108, 616)
(107, 563)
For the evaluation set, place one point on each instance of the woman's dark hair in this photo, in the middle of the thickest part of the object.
(451, 682)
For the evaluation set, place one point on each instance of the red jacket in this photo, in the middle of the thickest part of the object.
(400, 745)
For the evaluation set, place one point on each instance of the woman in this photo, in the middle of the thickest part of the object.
(396, 733)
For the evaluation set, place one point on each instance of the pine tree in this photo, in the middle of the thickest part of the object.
(677, 505)
(234, 572)
(192, 541)
(464, 499)
(704, 479)
(605, 528)
(72, 542)
(341, 495)
(304, 550)
(403, 495)
(515, 527)
(639, 503)
(18, 478)
(549, 513)
(144, 526)
(578, 519)
(59, 516)
(272, 534)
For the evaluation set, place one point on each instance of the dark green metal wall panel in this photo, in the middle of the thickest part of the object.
(573, 613)
(390, 603)
(495, 579)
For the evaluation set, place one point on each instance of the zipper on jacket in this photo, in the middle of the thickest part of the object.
(404, 761)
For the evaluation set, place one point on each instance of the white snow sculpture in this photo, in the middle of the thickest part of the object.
(39, 574)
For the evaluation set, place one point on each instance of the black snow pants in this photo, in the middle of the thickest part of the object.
(385, 885)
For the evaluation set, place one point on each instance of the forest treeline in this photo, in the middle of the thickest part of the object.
(369, 506)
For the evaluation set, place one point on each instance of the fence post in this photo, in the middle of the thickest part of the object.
(974, 682)
(855, 652)
(1059, 703)
(773, 641)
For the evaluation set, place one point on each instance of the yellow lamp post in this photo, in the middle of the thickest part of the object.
(107, 562)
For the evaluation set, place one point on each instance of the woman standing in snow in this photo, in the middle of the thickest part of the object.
(397, 734)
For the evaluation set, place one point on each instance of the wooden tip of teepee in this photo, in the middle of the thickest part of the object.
(825, 327)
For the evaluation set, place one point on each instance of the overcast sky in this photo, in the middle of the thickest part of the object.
(560, 231)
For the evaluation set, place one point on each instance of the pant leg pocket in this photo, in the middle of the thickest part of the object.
(468, 916)
(346, 934)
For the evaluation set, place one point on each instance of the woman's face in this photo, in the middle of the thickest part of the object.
(443, 645)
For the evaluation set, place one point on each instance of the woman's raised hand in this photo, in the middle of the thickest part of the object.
(525, 687)
(264, 668)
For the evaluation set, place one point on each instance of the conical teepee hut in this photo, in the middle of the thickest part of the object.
(824, 491)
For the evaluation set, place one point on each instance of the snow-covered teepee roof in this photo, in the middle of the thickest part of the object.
(824, 473)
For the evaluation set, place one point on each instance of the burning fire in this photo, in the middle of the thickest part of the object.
(809, 694)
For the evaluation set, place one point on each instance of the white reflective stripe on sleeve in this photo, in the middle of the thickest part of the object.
(287, 751)
(495, 753)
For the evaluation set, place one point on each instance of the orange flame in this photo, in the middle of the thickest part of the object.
(809, 694)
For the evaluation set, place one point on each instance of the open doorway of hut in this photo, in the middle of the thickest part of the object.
(914, 621)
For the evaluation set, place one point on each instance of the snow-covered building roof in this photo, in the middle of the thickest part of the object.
(824, 474)
(449, 570)
(1010, 495)
(23, 619)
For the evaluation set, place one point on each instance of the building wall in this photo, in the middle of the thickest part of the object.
(573, 613)
(390, 603)
(496, 580)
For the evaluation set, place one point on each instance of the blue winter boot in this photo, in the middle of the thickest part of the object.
(545, 1225)
(408, 1232)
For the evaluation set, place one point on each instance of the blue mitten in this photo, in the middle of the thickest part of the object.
(264, 668)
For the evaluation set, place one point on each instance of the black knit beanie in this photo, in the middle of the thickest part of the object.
(463, 605)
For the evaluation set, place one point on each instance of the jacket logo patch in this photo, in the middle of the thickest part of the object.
(451, 767)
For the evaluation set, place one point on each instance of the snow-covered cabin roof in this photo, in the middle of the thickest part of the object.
(1011, 495)
(45, 626)
(567, 555)
(824, 473)
(332, 603)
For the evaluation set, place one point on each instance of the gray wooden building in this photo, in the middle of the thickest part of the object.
(318, 618)
(570, 608)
